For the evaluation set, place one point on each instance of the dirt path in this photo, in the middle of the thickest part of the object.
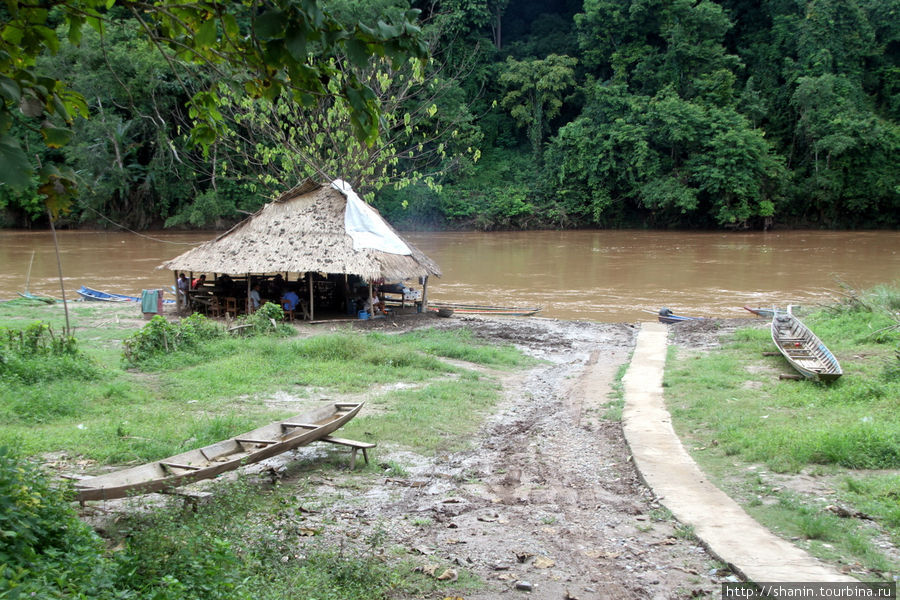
(548, 504)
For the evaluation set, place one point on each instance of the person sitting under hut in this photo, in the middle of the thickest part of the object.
(254, 298)
(198, 283)
(276, 286)
(290, 300)
(184, 286)
(374, 305)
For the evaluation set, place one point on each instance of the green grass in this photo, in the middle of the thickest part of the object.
(180, 400)
(740, 420)
(438, 418)
(243, 545)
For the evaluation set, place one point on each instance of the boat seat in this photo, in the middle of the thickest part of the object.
(255, 442)
(171, 465)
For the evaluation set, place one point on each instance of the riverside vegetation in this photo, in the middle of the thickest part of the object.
(816, 463)
(526, 114)
(120, 396)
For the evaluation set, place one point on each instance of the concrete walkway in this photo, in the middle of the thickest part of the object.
(723, 527)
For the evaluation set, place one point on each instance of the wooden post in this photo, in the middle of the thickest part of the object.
(249, 304)
(309, 282)
(425, 294)
(179, 301)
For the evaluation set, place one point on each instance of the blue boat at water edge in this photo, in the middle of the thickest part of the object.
(87, 293)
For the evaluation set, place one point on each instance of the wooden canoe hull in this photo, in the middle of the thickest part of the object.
(215, 459)
(802, 349)
(767, 313)
(670, 319)
(93, 295)
(476, 309)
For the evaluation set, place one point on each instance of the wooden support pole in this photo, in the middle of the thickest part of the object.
(179, 301)
(309, 282)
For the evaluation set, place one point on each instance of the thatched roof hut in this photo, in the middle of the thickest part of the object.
(301, 231)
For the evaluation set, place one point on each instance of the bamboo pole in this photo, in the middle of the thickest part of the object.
(28, 275)
(62, 287)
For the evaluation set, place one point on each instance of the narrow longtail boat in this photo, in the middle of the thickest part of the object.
(802, 349)
(210, 461)
(91, 294)
(767, 313)
(44, 299)
(668, 317)
(480, 309)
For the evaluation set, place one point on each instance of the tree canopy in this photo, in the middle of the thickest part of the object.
(261, 49)
(490, 114)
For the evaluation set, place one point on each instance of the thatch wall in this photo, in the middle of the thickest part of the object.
(302, 231)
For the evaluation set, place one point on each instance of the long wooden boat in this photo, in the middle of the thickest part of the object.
(210, 461)
(767, 313)
(96, 295)
(668, 317)
(802, 349)
(481, 309)
(44, 299)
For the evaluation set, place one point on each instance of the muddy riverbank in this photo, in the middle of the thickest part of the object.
(546, 503)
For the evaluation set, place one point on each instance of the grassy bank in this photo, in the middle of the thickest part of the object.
(816, 463)
(427, 391)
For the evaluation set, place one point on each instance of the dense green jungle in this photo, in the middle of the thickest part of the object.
(528, 114)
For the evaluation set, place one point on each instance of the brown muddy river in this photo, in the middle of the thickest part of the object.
(611, 276)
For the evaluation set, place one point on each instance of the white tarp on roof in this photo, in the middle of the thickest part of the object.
(365, 226)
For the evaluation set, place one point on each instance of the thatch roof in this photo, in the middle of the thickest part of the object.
(302, 231)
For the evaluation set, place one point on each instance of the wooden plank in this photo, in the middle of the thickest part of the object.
(171, 465)
(354, 447)
(252, 441)
(346, 442)
(303, 425)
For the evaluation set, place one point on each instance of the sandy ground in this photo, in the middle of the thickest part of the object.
(546, 505)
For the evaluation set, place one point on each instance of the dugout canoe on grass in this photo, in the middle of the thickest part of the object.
(210, 461)
(482, 309)
(802, 349)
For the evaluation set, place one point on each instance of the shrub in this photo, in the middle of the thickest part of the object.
(267, 320)
(45, 551)
(160, 337)
(36, 354)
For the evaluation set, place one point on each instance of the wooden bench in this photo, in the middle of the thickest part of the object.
(353, 445)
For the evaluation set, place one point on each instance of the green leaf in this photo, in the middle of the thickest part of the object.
(230, 25)
(9, 89)
(295, 42)
(15, 170)
(51, 40)
(206, 34)
(357, 52)
(75, 24)
(56, 137)
(270, 24)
